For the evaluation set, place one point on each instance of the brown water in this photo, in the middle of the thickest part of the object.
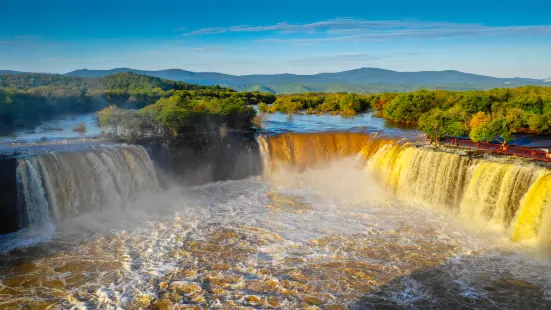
(323, 228)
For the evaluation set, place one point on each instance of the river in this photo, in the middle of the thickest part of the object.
(336, 221)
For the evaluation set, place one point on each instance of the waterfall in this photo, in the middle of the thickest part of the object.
(56, 186)
(510, 197)
(308, 149)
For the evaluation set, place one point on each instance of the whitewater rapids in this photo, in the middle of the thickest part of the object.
(329, 230)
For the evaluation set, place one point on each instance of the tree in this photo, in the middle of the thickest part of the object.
(291, 107)
(351, 102)
(437, 124)
(408, 107)
(479, 119)
(262, 107)
(476, 101)
(499, 129)
(540, 122)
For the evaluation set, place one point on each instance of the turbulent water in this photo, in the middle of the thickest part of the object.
(338, 220)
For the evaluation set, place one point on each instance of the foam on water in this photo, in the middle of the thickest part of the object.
(330, 235)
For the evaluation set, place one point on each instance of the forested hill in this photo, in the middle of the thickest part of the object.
(127, 81)
(26, 99)
(362, 80)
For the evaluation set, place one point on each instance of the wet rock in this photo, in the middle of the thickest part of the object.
(30, 304)
(189, 307)
(77, 279)
(185, 287)
(253, 300)
(188, 273)
(221, 280)
(298, 276)
(29, 281)
(162, 304)
(262, 235)
(25, 268)
(312, 300)
(221, 266)
(273, 301)
(140, 302)
(54, 284)
(264, 286)
(225, 237)
(198, 299)
(298, 286)
(219, 292)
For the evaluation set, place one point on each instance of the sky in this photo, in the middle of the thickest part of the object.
(499, 38)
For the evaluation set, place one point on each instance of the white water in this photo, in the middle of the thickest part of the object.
(304, 223)
(54, 187)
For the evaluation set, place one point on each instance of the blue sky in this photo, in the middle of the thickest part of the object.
(499, 38)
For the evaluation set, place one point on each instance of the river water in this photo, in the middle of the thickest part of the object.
(325, 231)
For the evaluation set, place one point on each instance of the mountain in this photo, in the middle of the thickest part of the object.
(126, 81)
(363, 80)
(357, 80)
(9, 72)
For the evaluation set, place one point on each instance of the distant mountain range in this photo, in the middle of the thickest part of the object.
(358, 80)
(9, 72)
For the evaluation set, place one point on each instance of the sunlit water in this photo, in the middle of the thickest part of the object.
(279, 123)
(59, 128)
(329, 237)
(62, 128)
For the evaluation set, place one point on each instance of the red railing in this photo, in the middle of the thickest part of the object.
(535, 153)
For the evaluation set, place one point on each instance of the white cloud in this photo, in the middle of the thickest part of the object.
(363, 30)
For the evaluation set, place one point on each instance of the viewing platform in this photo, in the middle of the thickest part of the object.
(540, 153)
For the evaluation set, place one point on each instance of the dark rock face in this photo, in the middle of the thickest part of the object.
(9, 218)
(200, 159)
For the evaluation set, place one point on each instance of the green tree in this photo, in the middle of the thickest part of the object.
(262, 107)
(499, 129)
(476, 101)
(437, 124)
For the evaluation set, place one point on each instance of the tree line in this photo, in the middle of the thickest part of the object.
(319, 103)
(27, 99)
(483, 115)
(490, 115)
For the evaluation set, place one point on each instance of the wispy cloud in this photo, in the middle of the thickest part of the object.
(423, 33)
(335, 26)
(353, 29)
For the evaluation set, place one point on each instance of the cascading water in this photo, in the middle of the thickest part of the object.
(512, 197)
(509, 197)
(56, 186)
(326, 234)
(306, 150)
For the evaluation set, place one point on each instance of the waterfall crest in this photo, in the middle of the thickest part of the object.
(56, 186)
(511, 197)
(305, 150)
